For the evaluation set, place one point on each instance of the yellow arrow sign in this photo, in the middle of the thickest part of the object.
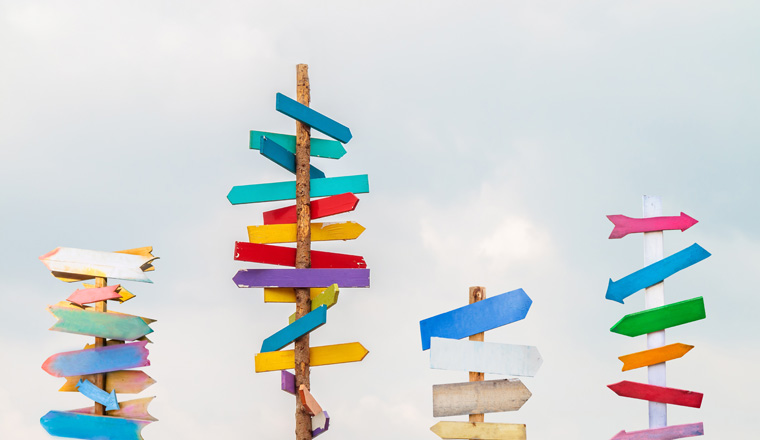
(123, 381)
(324, 355)
(329, 297)
(126, 295)
(654, 356)
(480, 430)
(286, 233)
(287, 294)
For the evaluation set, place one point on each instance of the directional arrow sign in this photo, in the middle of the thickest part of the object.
(480, 430)
(124, 294)
(484, 357)
(627, 225)
(99, 324)
(286, 256)
(301, 277)
(479, 397)
(97, 360)
(314, 119)
(319, 208)
(309, 322)
(80, 264)
(96, 394)
(308, 401)
(83, 426)
(123, 382)
(655, 273)
(129, 409)
(88, 296)
(287, 294)
(328, 298)
(320, 423)
(666, 433)
(319, 147)
(284, 158)
(654, 356)
(270, 192)
(476, 317)
(654, 393)
(660, 318)
(319, 232)
(325, 355)
(288, 382)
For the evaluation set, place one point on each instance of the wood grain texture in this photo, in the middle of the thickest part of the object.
(665, 433)
(284, 158)
(660, 318)
(627, 225)
(303, 325)
(270, 192)
(479, 397)
(654, 356)
(312, 118)
(654, 393)
(308, 401)
(136, 409)
(324, 355)
(85, 426)
(72, 264)
(476, 293)
(97, 360)
(326, 148)
(486, 357)
(123, 382)
(328, 298)
(286, 233)
(103, 325)
(286, 256)
(479, 430)
(306, 278)
(320, 208)
(287, 294)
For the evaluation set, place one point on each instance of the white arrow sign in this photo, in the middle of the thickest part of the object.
(484, 357)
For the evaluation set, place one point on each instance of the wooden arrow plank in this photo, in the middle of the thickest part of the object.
(85, 426)
(666, 433)
(308, 401)
(327, 148)
(124, 294)
(97, 360)
(285, 256)
(479, 397)
(287, 294)
(288, 382)
(123, 382)
(136, 409)
(655, 273)
(270, 192)
(484, 357)
(654, 356)
(284, 158)
(81, 264)
(301, 277)
(324, 355)
(328, 298)
(627, 225)
(654, 393)
(286, 233)
(308, 323)
(320, 423)
(660, 318)
(479, 430)
(320, 208)
(476, 318)
(68, 305)
(312, 118)
(99, 324)
(88, 296)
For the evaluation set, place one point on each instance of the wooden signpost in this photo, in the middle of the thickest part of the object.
(440, 334)
(657, 317)
(313, 278)
(100, 371)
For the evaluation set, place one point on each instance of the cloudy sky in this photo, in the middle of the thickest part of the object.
(497, 136)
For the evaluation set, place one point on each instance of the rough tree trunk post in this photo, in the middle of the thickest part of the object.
(477, 293)
(100, 379)
(303, 248)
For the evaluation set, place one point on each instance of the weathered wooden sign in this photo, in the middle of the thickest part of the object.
(129, 409)
(666, 433)
(486, 357)
(627, 225)
(81, 264)
(84, 426)
(301, 277)
(324, 355)
(88, 296)
(327, 148)
(313, 119)
(125, 295)
(479, 430)
(271, 192)
(479, 397)
(320, 208)
(97, 360)
(123, 382)
(660, 318)
(94, 393)
(654, 356)
(286, 233)
(655, 393)
(99, 324)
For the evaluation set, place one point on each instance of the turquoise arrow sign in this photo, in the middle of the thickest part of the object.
(83, 426)
(319, 147)
(654, 273)
(101, 325)
(314, 119)
(96, 394)
(310, 321)
(284, 158)
(270, 192)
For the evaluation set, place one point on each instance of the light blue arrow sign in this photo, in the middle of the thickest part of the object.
(314, 119)
(476, 317)
(96, 394)
(85, 426)
(319, 147)
(270, 192)
(654, 273)
(309, 322)
(284, 158)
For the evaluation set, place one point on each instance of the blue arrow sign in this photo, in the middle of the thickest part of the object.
(314, 119)
(319, 147)
(96, 394)
(654, 273)
(284, 158)
(309, 322)
(476, 317)
(85, 426)
(270, 192)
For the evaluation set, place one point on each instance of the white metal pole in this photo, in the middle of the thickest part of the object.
(655, 297)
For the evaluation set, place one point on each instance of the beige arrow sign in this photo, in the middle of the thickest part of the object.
(479, 397)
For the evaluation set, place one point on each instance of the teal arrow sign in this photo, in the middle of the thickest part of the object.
(96, 394)
(284, 158)
(270, 192)
(307, 323)
(319, 147)
(99, 324)
(314, 119)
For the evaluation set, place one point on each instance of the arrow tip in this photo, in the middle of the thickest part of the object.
(619, 436)
(688, 221)
(610, 295)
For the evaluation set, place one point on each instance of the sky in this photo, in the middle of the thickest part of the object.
(497, 135)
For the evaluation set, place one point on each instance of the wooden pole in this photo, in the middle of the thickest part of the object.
(654, 296)
(303, 247)
(477, 293)
(100, 379)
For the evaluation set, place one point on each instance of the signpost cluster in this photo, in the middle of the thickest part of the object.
(441, 334)
(313, 278)
(105, 368)
(653, 321)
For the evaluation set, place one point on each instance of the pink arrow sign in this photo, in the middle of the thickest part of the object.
(627, 225)
(87, 296)
(666, 433)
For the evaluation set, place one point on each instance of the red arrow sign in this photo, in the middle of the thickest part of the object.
(319, 208)
(654, 393)
(286, 256)
(88, 296)
(627, 225)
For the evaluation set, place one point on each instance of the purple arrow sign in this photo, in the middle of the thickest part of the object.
(301, 277)
(667, 433)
